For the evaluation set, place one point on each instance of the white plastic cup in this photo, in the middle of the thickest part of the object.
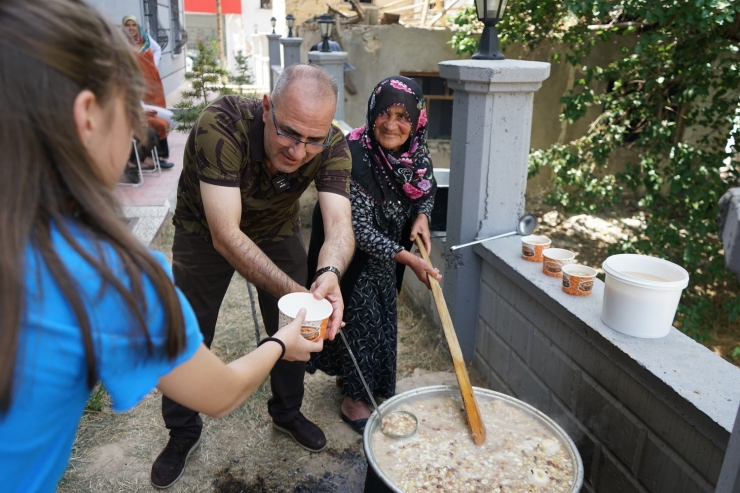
(532, 247)
(554, 259)
(317, 314)
(641, 294)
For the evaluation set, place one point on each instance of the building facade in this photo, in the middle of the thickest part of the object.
(163, 20)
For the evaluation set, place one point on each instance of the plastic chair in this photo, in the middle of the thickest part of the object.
(157, 168)
(138, 167)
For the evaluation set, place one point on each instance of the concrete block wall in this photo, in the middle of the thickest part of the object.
(647, 415)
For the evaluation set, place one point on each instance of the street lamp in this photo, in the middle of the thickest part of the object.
(290, 19)
(273, 21)
(490, 13)
(326, 23)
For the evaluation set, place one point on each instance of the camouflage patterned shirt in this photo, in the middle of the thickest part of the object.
(226, 148)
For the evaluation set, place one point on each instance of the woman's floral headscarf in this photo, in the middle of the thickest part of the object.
(141, 41)
(408, 172)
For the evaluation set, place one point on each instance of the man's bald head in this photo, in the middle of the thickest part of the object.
(308, 79)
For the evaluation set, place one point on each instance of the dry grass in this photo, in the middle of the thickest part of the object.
(242, 452)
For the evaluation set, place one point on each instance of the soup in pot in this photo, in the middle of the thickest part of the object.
(520, 453)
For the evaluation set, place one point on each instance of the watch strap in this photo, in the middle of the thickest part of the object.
(329, 268)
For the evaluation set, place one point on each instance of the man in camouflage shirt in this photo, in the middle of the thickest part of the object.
(246, 164)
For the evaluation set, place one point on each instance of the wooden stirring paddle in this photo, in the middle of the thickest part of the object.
(461, 372)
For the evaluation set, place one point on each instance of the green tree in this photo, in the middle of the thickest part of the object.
(670, 94)
(206, 79)
(243, 73)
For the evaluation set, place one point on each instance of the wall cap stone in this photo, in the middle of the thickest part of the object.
(291, 41)
(701, 378)
(494, 71)
(330, 57)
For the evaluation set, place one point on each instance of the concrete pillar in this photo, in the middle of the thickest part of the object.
(291, 51)
(491, 127)
(332, 62)
(729, 231)
(729, 476)
(273, 50)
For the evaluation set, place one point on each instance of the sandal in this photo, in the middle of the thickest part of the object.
(358, 425)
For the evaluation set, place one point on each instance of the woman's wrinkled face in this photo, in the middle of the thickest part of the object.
(392, 127)
(131, 28)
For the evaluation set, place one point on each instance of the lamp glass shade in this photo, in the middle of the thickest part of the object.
(324, 22)
(273, 21)
(489, 10)
(290, 19)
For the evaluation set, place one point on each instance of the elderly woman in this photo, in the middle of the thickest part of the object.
(157, 115)
(392, 193)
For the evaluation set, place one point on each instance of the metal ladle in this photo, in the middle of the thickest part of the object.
(386, 432)
(526, 225)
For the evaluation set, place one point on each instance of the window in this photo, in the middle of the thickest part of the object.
(152, 22)
(266, 4)
(438, 99)
(179, 34)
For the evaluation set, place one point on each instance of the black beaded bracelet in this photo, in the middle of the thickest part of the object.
(282, 344)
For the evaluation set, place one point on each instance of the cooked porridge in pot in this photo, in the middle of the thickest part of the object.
(520, 453)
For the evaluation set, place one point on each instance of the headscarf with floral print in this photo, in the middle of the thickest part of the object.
(406, 173)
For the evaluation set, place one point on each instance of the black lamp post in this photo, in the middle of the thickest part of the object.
(273, 21)
(490, 13)
(290, 19)
(326, 23)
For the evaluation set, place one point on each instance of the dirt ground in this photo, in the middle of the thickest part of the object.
(242, 452)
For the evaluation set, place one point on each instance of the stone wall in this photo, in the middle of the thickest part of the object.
(647, 415)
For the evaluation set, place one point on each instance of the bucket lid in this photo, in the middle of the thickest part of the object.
(624, 267)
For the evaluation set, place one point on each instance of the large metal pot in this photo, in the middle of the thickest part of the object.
(378, 482)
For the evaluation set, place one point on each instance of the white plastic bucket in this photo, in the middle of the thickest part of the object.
(641, 294)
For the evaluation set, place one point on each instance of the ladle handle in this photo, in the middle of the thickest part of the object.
(472, 412)
(367, 388)
(484, 239)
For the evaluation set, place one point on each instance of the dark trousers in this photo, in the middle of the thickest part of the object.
(204, 275)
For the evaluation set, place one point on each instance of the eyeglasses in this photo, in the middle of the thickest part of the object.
(324, 145)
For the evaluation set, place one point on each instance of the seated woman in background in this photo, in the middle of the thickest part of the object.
(392, 195)
(81, 299)
(149, 54)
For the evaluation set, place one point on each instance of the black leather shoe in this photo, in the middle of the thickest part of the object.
(166, 164)
(304, 432)
(170, 463)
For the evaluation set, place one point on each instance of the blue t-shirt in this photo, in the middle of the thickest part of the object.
(50, 380)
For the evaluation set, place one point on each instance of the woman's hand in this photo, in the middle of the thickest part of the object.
(297, 347)
(421, 269)
(421, 227)
(419, 266)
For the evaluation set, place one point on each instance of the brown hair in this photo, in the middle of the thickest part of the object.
(50, 50)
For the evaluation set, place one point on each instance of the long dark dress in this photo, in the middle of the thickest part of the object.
(389, 189)
(370, 312)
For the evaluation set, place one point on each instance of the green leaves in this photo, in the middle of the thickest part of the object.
(669, 95)
(207, 80)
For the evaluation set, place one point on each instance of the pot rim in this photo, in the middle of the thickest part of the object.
(453, 390)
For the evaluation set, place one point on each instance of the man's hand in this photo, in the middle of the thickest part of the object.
(421, 227)
(326, 287)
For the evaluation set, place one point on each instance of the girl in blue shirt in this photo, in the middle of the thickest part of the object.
(80, 299)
